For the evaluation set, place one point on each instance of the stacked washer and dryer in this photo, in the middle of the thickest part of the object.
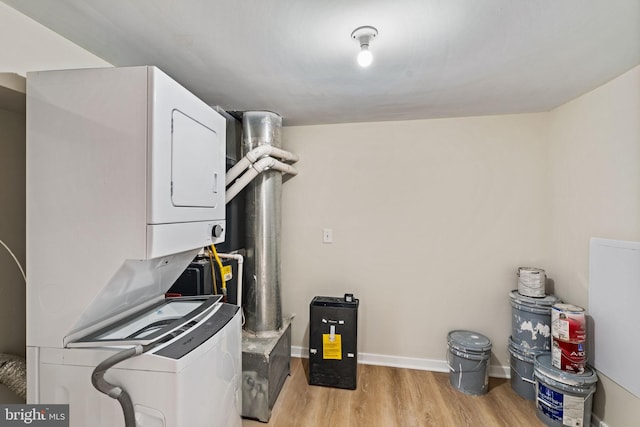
(125, 184)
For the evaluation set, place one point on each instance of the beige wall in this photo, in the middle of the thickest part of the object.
(430, 219)
(595, 174)
(28, 46)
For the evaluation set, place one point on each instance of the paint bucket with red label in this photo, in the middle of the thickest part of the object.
(569, 356)
(568, 322)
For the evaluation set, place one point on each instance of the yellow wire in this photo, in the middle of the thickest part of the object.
(213, 273)
(224, 282)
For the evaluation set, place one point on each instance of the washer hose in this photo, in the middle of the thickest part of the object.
(113, 391)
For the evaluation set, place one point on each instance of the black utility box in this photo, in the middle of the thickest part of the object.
(195, 280)
(333, 341)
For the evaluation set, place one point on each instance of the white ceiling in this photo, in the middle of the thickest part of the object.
(432, 58)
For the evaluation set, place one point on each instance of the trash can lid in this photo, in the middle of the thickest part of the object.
(469, 341)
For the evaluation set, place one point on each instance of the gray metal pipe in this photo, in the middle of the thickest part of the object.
(263, 302)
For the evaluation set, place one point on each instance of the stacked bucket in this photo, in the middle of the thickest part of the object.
(548, 357)
(530, 328)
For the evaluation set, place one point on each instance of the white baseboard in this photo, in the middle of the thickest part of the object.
(407, 362)
(597, 422)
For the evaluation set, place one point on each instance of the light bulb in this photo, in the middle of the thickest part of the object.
(363, 35)
(365, 57)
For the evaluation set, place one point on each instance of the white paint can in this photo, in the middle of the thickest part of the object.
(569, 322)
(532, 282)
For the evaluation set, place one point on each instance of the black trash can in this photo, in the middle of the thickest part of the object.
(333, 341)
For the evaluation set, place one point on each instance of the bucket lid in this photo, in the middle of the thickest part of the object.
(543, 365)
(469, 341)
(545, 301)
(569, 308)
(530, 270)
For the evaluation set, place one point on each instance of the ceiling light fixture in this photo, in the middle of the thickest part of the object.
(364, 35)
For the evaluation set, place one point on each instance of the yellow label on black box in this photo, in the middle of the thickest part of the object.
(332, 346)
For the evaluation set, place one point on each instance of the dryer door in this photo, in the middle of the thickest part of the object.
(186, 141)
(194, 182)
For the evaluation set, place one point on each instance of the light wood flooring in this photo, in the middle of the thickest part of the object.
(389, 397)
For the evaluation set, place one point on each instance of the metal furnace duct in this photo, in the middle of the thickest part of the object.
(263, 303)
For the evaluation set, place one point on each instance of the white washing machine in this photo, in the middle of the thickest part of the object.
(190, 379)
(125, 184)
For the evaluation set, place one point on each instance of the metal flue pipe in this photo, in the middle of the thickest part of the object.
(263, 303)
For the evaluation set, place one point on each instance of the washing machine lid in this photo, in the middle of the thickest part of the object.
(163, 320)
(194, 337)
